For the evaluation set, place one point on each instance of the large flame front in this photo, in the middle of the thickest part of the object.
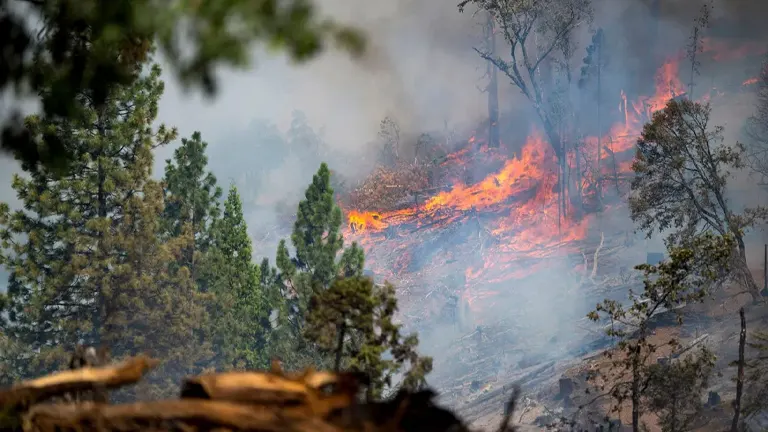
(516, 209)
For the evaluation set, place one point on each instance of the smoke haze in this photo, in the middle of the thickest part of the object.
(421, 70)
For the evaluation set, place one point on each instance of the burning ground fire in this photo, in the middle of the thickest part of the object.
(515, 208)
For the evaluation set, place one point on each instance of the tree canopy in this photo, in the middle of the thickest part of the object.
(86, 255)
(87, 47)
(681, 170)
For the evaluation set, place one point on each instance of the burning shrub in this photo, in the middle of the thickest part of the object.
(388, 188)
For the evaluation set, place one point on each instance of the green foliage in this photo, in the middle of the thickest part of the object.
(681, 171)
(328, 315)
(192, 194)
(687, 276)
(674, 389)
(354, 319)
(85, 255)
(240, 310)
(682, 167)
(756, 379)
(317, 242)
(89, 46)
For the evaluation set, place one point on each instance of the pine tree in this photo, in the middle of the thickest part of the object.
(192, 195)
(85, 259)
(91, 48)
(354, 320)
(317, 242)
(241, 323)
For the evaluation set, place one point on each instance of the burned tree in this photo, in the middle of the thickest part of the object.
(695, 43)
(594, 63)
(757, 129)
(389, 136)
(489, 36)
(537, 31)
(539, 35)
(681, 171)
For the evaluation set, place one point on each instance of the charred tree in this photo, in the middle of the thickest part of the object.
(537, 31)
(739, 373)
(695, 44)
(594, 62)
(494, 139)
(757, 130)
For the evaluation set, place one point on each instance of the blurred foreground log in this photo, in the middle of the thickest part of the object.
(31, 392)
(172, 415)
(233, 401)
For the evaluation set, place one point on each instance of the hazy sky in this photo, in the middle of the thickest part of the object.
(420, 68)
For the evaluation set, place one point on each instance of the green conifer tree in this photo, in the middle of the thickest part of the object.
(85, 257)
(354, 320)
(192, 196)
(317, 242)
(241, 316)
(192, 192)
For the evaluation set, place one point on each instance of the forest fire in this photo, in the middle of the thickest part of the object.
(515, 209)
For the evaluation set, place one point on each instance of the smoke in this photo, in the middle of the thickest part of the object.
(421, 70)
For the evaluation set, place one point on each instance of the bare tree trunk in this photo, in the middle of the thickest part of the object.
(636, 390)
(559, 198)
(740, 373)
(579, 178)
(494, 140)
(599, 131)
(743, 268)
(339, 348)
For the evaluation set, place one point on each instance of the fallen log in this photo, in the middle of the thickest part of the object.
(173, 415)
(320, 392)
(34, 391)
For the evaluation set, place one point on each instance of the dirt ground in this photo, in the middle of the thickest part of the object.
(717, 319)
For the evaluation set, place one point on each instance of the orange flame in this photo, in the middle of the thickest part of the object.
(749, 81)
(523, 197)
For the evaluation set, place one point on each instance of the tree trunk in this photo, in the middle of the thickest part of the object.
(579, 178)
(673, 414)
(743, 268)
(740, 373)
(599, 132)
(636, 390)
(494, 139)
(340, 347)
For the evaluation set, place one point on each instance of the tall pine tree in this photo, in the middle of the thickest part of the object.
(241, 313)
(192, 196)
(317, 242)
(192, 193)
(85, 257)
